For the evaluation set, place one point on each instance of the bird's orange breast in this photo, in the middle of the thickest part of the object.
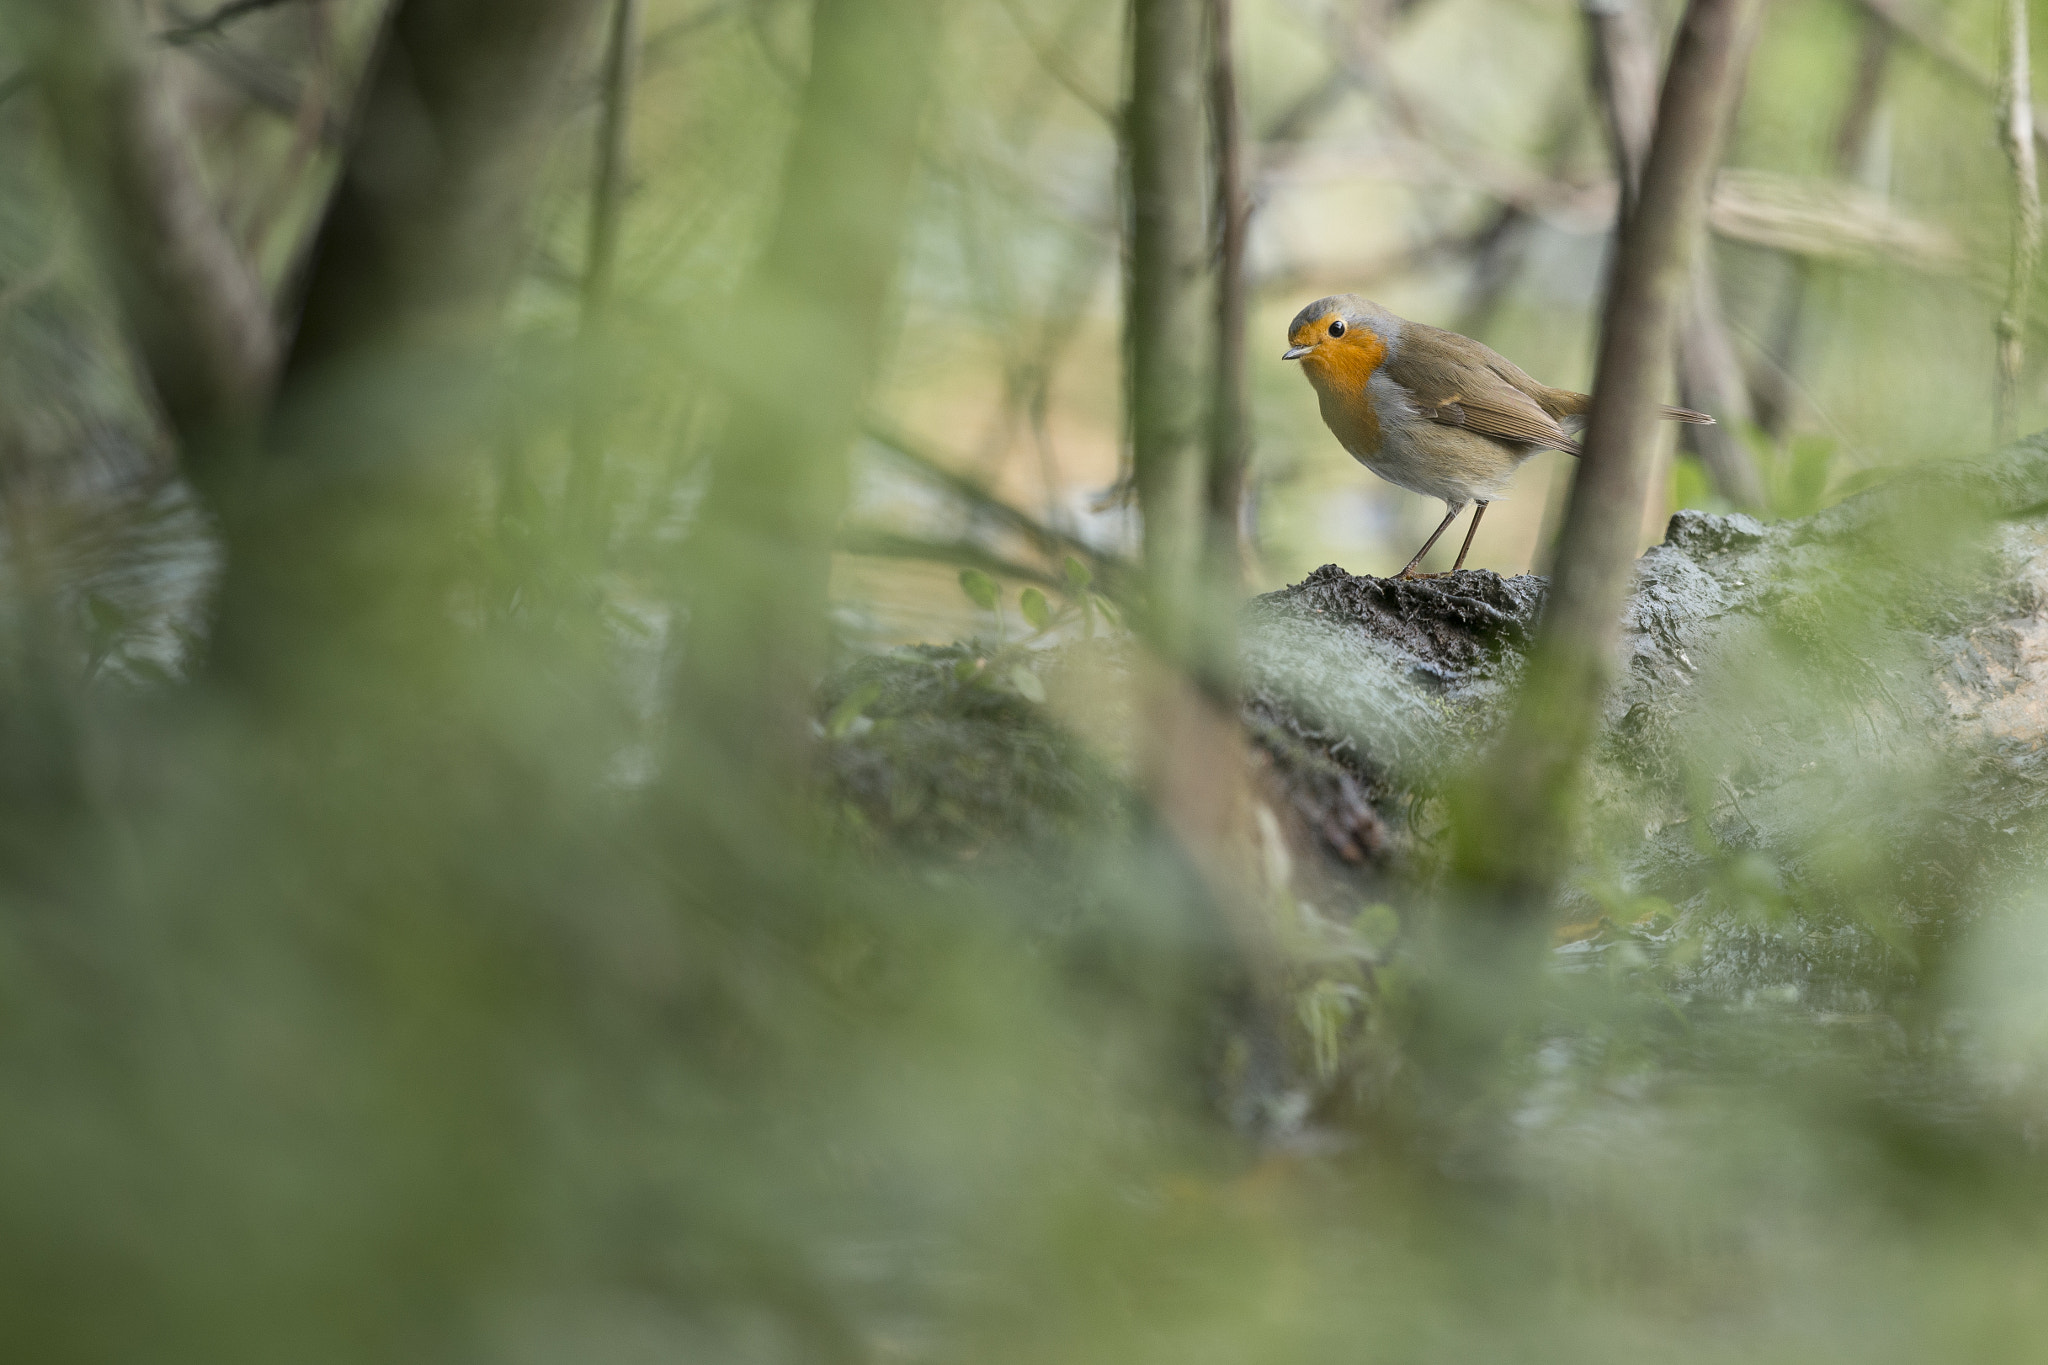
(1340, 368)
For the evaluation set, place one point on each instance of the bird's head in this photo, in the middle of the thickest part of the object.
(1341, 340)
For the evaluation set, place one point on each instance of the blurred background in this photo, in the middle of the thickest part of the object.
(483, 879)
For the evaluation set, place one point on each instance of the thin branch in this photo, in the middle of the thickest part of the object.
(1624, 74)
(607, 196)
(1058, 63)
(1228, 445)
(261, 84)
(1902, 19)
(875, 542)
(191, 30)
(2016, 123)
(1110, 570)
(1516, 826)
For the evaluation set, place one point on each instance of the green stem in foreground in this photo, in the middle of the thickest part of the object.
(1518, 820)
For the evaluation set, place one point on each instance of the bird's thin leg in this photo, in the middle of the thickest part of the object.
(1477, 512)
(1408, 569)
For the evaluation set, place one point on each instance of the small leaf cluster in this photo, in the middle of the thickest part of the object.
(1007, 665)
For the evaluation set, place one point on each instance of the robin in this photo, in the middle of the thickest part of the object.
(1430, 410)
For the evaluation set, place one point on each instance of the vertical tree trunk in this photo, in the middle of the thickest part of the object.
(1194, 762)
(421, 242)
(2016, 120)
(1164, 323)
(760, 553)
(1229, 437)
(422, 237)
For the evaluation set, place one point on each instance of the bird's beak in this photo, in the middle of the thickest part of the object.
(1295, 352)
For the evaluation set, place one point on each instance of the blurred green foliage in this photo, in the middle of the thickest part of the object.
(440, 1000)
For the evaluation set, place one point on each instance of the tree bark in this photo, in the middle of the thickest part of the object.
(1517, 822)
(1164, 325)
(422, 236)
(1229, 435)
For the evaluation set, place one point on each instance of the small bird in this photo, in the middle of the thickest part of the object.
(1435, 412)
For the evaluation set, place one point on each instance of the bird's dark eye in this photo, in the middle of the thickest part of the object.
(1337, 328)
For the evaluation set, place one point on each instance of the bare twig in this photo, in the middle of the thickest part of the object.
(2016, 123)
(1059, 64)
(314, 124)
(1049, 541)
(876, 542)
(1228, 428)
(191, 30)
(1624, 60)
(1902, 18)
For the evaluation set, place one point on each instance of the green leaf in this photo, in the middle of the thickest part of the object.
(1027, 684)
(1109, 610)
(1078, 575)
(979, 587)
(850, 708)
(1036, 609)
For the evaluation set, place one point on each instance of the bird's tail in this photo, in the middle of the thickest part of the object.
(1686, 415)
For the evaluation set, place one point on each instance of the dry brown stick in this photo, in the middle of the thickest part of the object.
(1516, 823)
(2016, 123)
(1710, 378)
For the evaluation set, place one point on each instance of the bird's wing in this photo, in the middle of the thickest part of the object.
(1504, 419)
(1459, 382)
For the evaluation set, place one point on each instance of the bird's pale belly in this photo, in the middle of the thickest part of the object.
(1423, 456)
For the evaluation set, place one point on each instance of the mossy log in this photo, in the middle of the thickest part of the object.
(1833, 726)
